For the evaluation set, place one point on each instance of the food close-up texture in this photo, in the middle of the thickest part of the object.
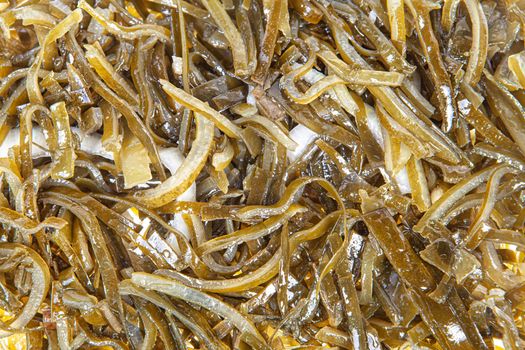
(262, 174)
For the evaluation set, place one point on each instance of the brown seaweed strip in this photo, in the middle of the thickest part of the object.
(399, 251)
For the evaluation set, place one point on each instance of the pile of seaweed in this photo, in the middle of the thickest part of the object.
(263, 174)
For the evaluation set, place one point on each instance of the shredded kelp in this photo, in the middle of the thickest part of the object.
(262, 174)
